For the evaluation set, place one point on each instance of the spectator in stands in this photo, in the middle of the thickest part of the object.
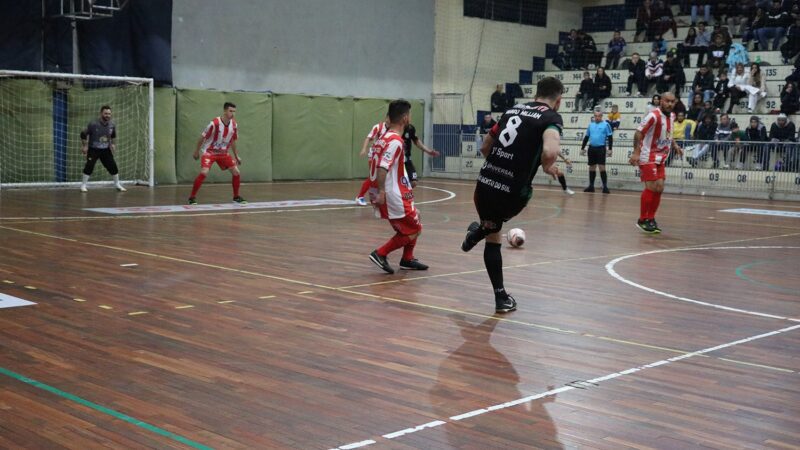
(790, 100)
(740, 15)
(708, 108)
(705, 133)
(757, 134)
(616, 48)
(673, 75)
(723, 136)
(705, 6)
(589, 55)
(571, 49)
(614, 117)
(703, 84)
(782, 131)
(644, 16)
(778, 20)
(702, 41)
(757, 88)
(688, 46)
(717, 52)
(663, 20)
(602, 86)
(653, 71)
(738, 83)
(679, 106)
(722, 8)
(583, 101)
(724, 32)
(722, 92)
(791, 47)
(695, 107)
(487, 124)
(659, 45)
(499, 100)
(751, 32)
(655, 103)
(683, 130)
(636, 70)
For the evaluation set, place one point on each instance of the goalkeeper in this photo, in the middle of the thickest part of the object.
(97, 142)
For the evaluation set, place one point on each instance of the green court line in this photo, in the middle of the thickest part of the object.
(740, 273)
(103, 409)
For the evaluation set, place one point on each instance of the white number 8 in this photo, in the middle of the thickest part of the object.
(509, 133)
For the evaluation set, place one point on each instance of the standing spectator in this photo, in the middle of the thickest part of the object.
(791, 47)
(738, 83)
(673, 74)
(636, 71)
(782, 131)
(777, 22)
(663, 20)
(688, 46)
(704, 4)
(616, 48)
(740, 15)
(599, 136)
(702, 41)
(717, 52)
(703, 84)
(723, 136)
(659, 45)
(790, 100)
(572, 49)
(585, 94)
(695, 108)
(705, 133)
(653, 71)
(751, 32)
(602, 86)
(722, 92)
(614, 117)
(644, 16)
(499, 100)
(757, 134)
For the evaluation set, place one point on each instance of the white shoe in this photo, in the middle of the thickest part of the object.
(569, 191)
(725, 166)
(360, 201)
(120, 188)
(83, 189)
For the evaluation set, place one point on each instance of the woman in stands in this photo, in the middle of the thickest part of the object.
(655, 103)
(738, 84)
(790, 100)
(688, 46)
(696, 108)
(602, 86)
(757, 88)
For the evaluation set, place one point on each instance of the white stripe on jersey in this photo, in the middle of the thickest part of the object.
(657, 140)
(221, 136)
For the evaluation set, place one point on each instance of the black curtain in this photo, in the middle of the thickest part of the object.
(21, 35)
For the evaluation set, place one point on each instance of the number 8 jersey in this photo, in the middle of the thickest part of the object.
(517, 150)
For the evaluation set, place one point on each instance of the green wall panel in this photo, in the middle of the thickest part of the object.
(164, 136)
(27, 139)
(366, 113)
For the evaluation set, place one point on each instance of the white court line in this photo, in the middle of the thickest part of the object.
(613, 273)
(562, 389)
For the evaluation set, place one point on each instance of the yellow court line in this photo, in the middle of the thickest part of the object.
(104, 307)
(305, 292)
(137, 313)
(79, 300)
(266, 297)
(223, 302)
(8, 282)
(184, 307)
(33, 288)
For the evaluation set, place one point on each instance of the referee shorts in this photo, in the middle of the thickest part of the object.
(496, 208)
(597, 155)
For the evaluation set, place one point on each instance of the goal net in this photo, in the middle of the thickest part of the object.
(41, 118)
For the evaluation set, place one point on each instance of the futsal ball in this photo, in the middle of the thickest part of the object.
(516, 237)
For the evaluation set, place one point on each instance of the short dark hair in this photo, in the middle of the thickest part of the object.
(228, 105)
(104, 107)
(549, 88)
(398, 109)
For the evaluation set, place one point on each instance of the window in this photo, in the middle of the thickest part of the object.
(526, 12)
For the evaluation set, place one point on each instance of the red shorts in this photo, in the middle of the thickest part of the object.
(225, 161)
(652, 172)
(408, 225)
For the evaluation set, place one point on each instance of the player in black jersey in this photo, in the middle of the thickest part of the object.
(527, 136)
(409, 137)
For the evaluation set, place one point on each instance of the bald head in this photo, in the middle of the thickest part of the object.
(667, 102)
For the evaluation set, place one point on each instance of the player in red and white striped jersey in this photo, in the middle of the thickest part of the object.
(390, 191)
(652, 144)
(219, 136)
(376, 132)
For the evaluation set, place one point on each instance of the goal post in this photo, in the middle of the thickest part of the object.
(41, 118)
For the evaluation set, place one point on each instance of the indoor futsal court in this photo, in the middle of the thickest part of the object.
(270, 328)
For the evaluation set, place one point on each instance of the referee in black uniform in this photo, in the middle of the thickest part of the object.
(527, 136)
(409, 136)
(97, 142)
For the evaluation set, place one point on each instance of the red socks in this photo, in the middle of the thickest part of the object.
(364, 188)
(654, 204)
(236, 181)
(397, 241)
(649, 204)
(197, 183)
(408, 250)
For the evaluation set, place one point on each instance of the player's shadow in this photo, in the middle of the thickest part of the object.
(477, 368)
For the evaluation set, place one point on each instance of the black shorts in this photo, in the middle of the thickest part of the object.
(411, 171)
(497, 208)
(597, 155)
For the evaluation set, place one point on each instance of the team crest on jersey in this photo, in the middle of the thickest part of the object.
(664, 142)
(404, 181)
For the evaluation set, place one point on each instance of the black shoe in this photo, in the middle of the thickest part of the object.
(192, 201)
(380, 261)
(467, 245)
(606, 191)
(238, 199)
(505, 305)
(413, 264)
(589, 189)
(654, 226)
(645, 226)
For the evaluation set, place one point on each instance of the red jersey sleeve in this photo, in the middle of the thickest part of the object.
(648, 122)
(209, 131)
(495, 130)
(391, 154)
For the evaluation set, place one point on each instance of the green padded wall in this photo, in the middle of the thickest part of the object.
(312, 137)
(196, 108)
(366, 113)
(164, 136)
(20, 163)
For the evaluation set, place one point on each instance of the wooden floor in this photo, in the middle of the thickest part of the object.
(260, 329)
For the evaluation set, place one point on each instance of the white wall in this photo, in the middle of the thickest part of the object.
(504, 49)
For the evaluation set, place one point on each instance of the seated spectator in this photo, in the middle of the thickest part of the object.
(705, 133)
(673, 75)
(589, 54)
(782, 131)
(695, 107)
(739, 82)
(602, 86)
(791, 47)
(663, 20)
(757, 88)
(722, 92)
(487, 124)
(688, 46)
(753, 29)
(721, 9)
(655, 103)
(717, 52)
(683, 129)
(722, 31)
(723, 135)
(659, 45)
(614, 117)
(705, 6)
(740, 16)
(636, 75)
(757, 134)
(616, 48)
(679, 106)
(583, 101)
(643, 18)
(653, 70)
(571, 49)
(790, 100)
(499, 100)
(703, 84)
(778, 20)
(702, 41)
